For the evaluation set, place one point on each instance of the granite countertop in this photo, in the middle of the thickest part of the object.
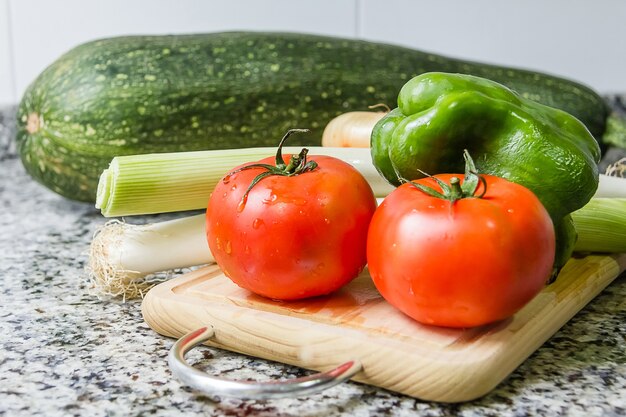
(65, 352)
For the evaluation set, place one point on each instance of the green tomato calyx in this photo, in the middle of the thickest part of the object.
(455, 190)
(298, 164)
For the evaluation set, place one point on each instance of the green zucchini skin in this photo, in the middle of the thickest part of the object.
(145, 94)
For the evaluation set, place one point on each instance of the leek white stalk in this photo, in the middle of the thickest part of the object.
(123, 257)
(182, 181)
(613, 183)
(611, 187)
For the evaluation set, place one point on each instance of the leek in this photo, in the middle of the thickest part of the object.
(601, 225)
(125, 259)
(613, 184)
(182, 181)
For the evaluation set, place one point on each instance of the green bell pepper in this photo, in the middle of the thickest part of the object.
(545, 149)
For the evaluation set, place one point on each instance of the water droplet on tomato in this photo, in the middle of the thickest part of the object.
(234, 187)
(246, 250)
(271, 199)
(226, 179)
(242, 203)
(228, 248)
(256, 223)
(326, 220)
(299, 201)
(510, 210)
(218, 243)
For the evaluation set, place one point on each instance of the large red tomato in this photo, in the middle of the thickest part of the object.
(464, 263)
(291, 237)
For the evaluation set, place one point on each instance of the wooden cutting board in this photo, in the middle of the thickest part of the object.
(397, 353)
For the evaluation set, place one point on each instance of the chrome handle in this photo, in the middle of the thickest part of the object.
(249, 389)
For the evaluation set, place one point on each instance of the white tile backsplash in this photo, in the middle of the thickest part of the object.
(578, 39)
(7, 84)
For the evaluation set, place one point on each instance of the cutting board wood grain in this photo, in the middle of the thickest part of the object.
(397, 353)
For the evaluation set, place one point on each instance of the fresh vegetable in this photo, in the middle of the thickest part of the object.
(292, 230)
(352, 129)
(610, 186)
(180, 181)
(459, 252)
(165, 182)
(122, 255)
(149, 94)
(601, 225)
(542, 148)
(355, 128)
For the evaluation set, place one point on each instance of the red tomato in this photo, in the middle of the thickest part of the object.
(294, 236)
(461, 264)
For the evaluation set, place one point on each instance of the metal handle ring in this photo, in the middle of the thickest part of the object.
(249, 389)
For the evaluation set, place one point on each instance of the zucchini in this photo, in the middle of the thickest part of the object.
(146, 94)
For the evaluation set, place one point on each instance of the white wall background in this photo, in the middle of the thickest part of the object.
(580, 39)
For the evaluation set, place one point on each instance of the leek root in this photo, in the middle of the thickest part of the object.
(124, 258)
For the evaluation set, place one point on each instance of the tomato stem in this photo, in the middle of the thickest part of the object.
(280, 162)
(298, 164)
(455, 190)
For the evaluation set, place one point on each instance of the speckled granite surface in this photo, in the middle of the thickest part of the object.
(64, 352)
